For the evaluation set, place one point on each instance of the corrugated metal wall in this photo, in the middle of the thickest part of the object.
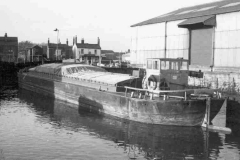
(177, 40)
(147, 42)
(227, 40)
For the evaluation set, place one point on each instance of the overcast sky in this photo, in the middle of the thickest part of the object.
(110, 20)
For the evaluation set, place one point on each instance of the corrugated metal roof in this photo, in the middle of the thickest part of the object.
(214, 8)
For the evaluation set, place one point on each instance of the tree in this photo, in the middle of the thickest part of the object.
(23, 45)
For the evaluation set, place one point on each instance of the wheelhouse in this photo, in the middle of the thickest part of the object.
(174, 72)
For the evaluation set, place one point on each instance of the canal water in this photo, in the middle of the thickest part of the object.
(35, 127)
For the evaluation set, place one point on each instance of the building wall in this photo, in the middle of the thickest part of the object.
(8, 50)
(86, 51)
(227, 40)
(177, 40)
(147, 42)
(51, 54)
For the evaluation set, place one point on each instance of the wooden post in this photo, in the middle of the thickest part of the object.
(151, 96)
(125, 92)
(164, 97)
(208, 105)
(140, 95)
(132, 94)
(207, 120)
(185, 96)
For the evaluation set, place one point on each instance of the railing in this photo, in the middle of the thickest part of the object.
(192, 92)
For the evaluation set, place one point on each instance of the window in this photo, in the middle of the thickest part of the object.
(184, 66)
(95, 51)
(82, 51)
(174, 65)
(149, 64)
(164, 65)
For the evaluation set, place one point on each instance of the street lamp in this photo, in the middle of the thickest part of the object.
(57, 41)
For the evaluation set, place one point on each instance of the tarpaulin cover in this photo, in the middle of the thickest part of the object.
(82, 71)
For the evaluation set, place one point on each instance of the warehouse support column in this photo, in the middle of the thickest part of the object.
(165, 40)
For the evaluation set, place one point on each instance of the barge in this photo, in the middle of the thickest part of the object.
(93, 88)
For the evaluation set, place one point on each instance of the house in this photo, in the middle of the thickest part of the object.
(208, 35)
(126, 57)
(88, 53)
(34, 54)
(8, 48)
(58, 51)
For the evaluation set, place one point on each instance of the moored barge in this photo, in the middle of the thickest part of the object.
(115, 94)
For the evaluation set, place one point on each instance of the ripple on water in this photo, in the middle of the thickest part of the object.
(36, 127)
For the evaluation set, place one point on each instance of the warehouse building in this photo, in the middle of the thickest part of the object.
(208, 35)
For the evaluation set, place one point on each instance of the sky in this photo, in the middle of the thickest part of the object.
(110, 20)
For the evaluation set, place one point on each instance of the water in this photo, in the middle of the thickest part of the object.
(35, 127)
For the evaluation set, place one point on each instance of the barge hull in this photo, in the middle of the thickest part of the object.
(173, 112)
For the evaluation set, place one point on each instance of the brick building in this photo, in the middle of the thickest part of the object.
(58, 51)
(8, 48)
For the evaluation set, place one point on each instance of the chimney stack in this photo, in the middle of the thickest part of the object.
(67, 42)
(98, 41)
(82, 41)
(48, 41)
(5, 34)
(76, 39)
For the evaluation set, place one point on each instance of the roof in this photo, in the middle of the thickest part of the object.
(34, 46)
(107, 51)
(205, 21)
(89, 46)
(219, 7)
(54, 45)
(14, 39)
(9, 40)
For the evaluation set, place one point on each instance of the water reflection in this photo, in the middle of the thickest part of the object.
(136, 140)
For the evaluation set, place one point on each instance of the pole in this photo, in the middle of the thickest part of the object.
(57, 44)
(57, 41)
